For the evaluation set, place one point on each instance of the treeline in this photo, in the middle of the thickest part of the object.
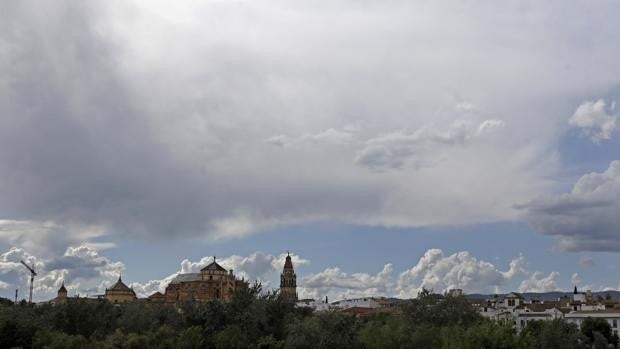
(254, 319)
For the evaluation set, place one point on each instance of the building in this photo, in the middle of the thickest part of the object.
(212, 283)
(366, 302)
(612, 316)
(514, 309)
(156, 297)
(315, 305)
(120, 293)
(532, 313)
(61, 297)
(288, 281)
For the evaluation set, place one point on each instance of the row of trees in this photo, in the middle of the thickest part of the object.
(254, 319)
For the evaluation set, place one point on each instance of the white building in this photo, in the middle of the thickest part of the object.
(367, 302)
(612, 316)
(314, 304)
(523, 316)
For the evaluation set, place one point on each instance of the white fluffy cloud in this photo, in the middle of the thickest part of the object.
(85, 271)
(586, 218)
(459, 270)
(594, 120)
(337, 284)
(434, 270)
(540, 283)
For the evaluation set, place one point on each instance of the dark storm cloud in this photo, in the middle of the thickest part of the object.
(586, 219)
(73, 145)
(150, 117)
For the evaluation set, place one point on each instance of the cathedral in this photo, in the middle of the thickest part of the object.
(288, 281)
(213, 282)
(120, 293)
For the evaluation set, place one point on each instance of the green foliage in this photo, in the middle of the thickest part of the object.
(45, 339)
(591, 326)
(437, 310)
(384, 331)
(325, 330)
(191, 338)
(556, 334)
(263, 320)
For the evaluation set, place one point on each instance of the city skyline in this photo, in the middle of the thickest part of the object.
(388, 146)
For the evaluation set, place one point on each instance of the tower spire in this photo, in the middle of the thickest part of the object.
(288, 280)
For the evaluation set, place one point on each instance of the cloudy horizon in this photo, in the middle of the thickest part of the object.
(389, 146)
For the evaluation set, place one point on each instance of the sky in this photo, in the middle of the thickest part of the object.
(390, 146)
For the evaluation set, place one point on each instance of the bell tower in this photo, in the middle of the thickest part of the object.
(288, 281)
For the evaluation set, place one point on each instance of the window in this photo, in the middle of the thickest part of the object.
(614, 323)
(511, 302)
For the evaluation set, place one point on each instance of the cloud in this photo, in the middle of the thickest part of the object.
(329, 136)
(434, 270)
(82, 269)
(395, 150)
(575, 279)
(594, 121)
(86, 271)
(48, 238)
(465, 107)
(460, 270)
(586, 261)
(137, 117)
(338, 284)
(540, 283)
(584, 219)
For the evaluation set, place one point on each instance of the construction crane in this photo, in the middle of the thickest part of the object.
(32, 275)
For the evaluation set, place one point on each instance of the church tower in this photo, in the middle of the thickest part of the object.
(61, 298)
(288, 281)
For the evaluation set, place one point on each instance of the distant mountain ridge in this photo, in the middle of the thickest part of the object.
(548, 296)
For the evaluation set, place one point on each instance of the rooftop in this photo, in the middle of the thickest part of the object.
(119, 286)
(213, 266)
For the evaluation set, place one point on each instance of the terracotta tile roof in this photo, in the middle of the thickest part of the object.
(358, 310)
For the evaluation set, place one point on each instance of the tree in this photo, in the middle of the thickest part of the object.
(45, 339)
(555, 334)
(592, 325)
(483, 335)
(232, 337)
(322, 331)
(191, 338)
(384, 331)
(437, 310)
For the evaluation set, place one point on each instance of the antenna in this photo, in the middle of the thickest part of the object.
(32, 275)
